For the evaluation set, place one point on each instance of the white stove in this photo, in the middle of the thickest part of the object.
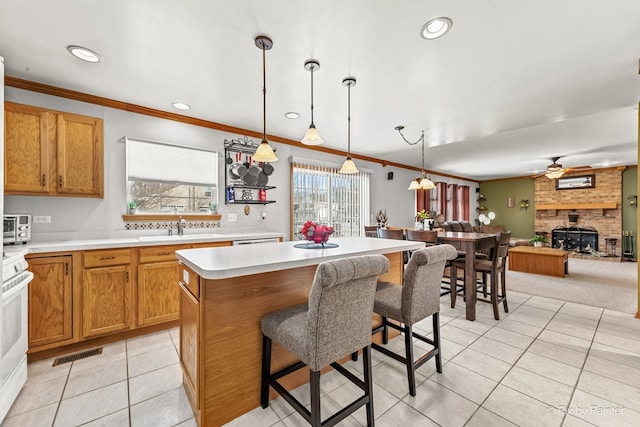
(13, 328)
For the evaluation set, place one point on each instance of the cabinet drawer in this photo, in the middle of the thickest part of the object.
(159, 253)
(190, 280)
(102, 258)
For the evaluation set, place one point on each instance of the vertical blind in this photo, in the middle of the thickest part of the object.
(323, 195)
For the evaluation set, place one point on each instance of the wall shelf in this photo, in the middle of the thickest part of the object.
(559, 206)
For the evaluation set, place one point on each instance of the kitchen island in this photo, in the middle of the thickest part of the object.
(223, 294)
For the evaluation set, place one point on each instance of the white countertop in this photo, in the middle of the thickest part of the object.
(146, 240)
(234, 261)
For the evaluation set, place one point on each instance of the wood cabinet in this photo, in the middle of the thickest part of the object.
(106, 292)
(189, 336)
(52, 153)
(50, 301)
(158, 290)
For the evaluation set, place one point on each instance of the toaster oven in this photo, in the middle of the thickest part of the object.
(16, 229)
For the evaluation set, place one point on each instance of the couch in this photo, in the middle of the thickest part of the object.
(467, 227)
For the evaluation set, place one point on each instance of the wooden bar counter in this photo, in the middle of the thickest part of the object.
(223, 294)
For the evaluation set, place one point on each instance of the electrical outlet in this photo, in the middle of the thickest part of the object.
(42, 219)
(232, 217)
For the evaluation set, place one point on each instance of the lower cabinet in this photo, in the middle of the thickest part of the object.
(50, 301)
(189, 336)
(106, 292)
(158, 295)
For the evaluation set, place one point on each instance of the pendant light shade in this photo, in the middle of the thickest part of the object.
(264, 153)
(312, 136)
(348, 167)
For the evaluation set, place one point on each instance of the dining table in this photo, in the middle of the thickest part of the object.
(470, 243)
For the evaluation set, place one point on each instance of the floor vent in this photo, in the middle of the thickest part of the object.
(77, 356)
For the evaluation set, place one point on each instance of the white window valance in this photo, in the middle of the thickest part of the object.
(154, 161)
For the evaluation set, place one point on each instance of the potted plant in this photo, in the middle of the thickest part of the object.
(538, 240)
(132, 206)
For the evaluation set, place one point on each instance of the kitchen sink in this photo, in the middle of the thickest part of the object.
(176, 237)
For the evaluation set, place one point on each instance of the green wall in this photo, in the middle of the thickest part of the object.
(518, 220)
(630, 213)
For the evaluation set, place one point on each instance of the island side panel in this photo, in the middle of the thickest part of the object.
(232, 340)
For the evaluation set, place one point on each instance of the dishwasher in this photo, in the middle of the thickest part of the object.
(256, 241)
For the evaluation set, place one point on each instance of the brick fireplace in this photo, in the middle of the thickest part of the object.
(598, 208)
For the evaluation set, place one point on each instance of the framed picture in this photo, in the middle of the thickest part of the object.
(511, 202)
(576, 182)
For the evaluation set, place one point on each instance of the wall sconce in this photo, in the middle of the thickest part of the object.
(633, 200)
(524, 204)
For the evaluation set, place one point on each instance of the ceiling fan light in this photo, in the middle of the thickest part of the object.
(553, 174)
(312, 136)
(349, 167)
(264, 153)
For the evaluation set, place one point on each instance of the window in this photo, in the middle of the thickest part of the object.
(169, 178)
(323, 195)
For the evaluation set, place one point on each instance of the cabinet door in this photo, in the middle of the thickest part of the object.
(106, 300)
(189, 345)
(80, 155)
(158, 293)
(50, 301)
(29, 140)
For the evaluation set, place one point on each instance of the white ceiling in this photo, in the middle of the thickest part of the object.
(511, 85)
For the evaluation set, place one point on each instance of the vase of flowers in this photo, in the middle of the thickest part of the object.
(382, 218)
(424, 217)
(315, 233)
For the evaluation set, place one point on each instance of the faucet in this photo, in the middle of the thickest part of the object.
(181, 225)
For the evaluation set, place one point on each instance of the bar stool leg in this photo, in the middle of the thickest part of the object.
(411, 370)
(385, 330)
(266, 372)
(368, 383)
(435, 317)
(314, 379)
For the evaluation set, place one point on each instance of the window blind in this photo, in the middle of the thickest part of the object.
(160, 162)
(323, 195)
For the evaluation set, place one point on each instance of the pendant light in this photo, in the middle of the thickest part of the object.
(348, 167)
(312, 137)
(264, 153)
(423, 182)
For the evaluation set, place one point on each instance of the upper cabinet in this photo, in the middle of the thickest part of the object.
(52, 153)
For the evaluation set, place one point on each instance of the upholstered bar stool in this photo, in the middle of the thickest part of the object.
(417, 299)
(335, 322)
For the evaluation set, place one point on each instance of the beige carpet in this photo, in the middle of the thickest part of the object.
(611, 285)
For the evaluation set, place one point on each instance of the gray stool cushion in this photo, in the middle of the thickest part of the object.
(419, 295)
(337, 319)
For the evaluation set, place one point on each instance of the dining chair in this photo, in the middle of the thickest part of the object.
(416, 299)
(335, 322)
(397, 234)
(371, 231)
(494, 267)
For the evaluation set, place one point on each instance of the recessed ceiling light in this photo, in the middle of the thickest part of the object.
(292, 115)
(83, 53)
(181, 106)
(436, 28)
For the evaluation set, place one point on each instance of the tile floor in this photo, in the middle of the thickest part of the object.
(547, 362)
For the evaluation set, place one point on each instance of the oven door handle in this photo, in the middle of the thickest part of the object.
(17, 284)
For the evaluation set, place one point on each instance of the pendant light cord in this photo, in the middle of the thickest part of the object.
(349, 121)
(264, 94)
(312, 68)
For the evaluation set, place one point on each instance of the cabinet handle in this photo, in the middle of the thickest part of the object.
(60, 181)
(164, 253)
(44, 180)
(104, 258)
(66, 268)
(127, 277)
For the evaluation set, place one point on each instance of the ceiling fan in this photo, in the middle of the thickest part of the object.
(555, 169)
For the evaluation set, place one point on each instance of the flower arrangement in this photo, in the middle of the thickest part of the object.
(316, 233)
(382, 218)
(422, 215)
